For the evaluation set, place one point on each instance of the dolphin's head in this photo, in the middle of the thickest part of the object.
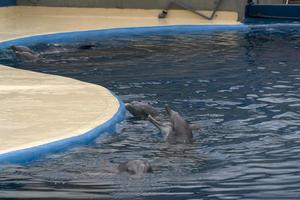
(13, 47)
(139, 110)
(130, 107)
(137, 167)
(171, 113)
(132, 104)
(135, 109)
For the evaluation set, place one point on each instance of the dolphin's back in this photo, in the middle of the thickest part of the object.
(27, 56)
(135, 167)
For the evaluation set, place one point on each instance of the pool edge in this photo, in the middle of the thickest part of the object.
(27, 155)
(36, 152)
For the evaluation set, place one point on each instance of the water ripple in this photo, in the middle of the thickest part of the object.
(241, 87)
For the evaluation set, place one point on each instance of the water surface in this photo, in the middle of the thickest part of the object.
(242, 87)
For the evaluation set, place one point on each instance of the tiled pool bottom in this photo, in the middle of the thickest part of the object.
(241, 86)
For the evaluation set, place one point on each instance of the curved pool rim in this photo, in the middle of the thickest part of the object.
(74, 36)
(27, 155)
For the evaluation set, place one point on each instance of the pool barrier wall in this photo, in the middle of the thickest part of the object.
(27, 155)
(226, 5)
(117, 33)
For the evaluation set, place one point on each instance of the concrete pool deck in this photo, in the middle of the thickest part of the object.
(23, 21)
(38, 109)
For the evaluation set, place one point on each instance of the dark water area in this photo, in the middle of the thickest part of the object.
(242, 87)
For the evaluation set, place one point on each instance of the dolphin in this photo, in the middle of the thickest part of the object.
(16, 48)
(87, 47)
(135, 167)
(177, 131)
(27, 56)
(141, 110)
(25, 53)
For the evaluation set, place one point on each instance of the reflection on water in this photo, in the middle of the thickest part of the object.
(241, 86)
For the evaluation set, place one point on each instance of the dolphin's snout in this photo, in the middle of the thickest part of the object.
(154, 121)
(168, 109)
(13, 47)
(127, 105)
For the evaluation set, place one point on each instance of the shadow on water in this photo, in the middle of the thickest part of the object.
(241, 86)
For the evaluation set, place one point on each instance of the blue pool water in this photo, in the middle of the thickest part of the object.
(242, 87)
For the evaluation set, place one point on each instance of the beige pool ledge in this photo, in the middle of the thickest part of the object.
(37, 109)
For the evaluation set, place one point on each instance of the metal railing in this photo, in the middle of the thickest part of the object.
(257, 1)
(164, 12)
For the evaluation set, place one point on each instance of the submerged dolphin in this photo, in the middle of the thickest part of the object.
(135, 167)
(177, 131)
(27, 56)
(16, 48)
(141, 110)
(25, 53)
(87, 47)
